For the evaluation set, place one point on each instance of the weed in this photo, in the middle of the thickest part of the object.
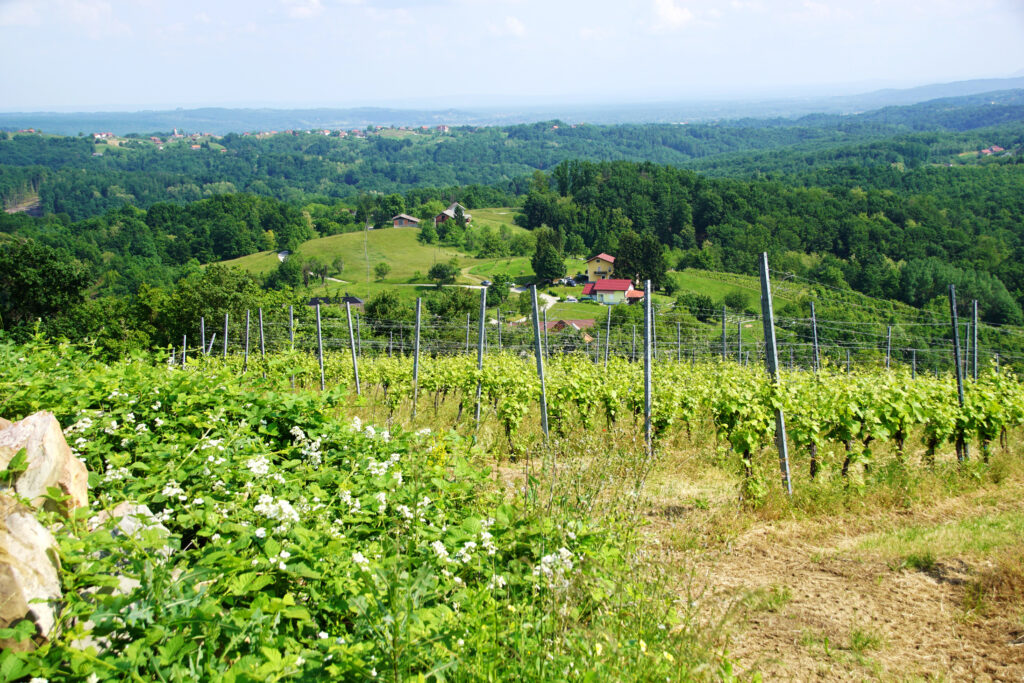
(768, 599)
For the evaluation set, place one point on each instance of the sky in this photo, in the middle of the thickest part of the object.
(97, 55)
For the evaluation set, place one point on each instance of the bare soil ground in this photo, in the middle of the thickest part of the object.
(821, 599)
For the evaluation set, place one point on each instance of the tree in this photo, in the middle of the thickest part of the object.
(339, 265)
(383, 307)
(381, 270)
(288, 274)
(37, 281)
(548, 259)
(641, 257)
(574, 245)
(443, 273)
(498, 292)
(428, 233)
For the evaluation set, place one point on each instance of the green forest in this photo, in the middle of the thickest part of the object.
(895, 204)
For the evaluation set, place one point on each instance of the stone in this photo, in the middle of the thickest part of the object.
(50, 462)
(28, 573)
(131, 519)
(4, 424)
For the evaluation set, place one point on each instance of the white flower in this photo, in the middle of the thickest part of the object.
(357, 424)
(261, 533)
(370, 431)
(156, 406)
(284, 554)
(130, 417)
(423, 432)
(322, 635)
(442, 552)
(39, 680)
(297, 432)
(282, 566)
(404, 511)
(259, 465)
(299, 661)
(215, 537)
(158, 422)
(279, 509)
(383, 503)
(358, 558)
(497, 581)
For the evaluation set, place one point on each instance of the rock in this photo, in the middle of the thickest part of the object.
(4, 424)
(50, 460)
(28, 572)
(133, 519)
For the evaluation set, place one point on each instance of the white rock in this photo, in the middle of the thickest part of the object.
(28, 572)
(50, 462)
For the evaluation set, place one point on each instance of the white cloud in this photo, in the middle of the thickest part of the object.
(510, 27)
(670, 16)
(595, 33)
(18, 13)
(95, 16)
(303, 9)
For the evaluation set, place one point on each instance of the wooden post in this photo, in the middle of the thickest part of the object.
(184, 350)
(648, 362)
(320, 346)
(202, 335)
(913, 364)
(962, 452)
(225, 335)
(814, 327)
(772, 361)
(291, 336)
(245, 361)
(480, 351)
(547, 353)
(209, 350)
(888, 347)
(263, 347)
(351, 345)
(607, 335)
(416, 360)
(974, 328)
(723, 335)
(538, 352)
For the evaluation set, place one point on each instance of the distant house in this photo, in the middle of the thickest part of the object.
(353, 301)
(319, 300)
(196, 147)
(561, 324)
(634, 295)
(443, 128)
(450, 213)
(608, 291)
(404, 220)
(600, 267)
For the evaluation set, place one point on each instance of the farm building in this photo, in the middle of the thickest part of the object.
(450, 213)
(404, 220)
(600, 267)
(609, 291)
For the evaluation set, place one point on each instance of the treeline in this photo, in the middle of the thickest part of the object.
(80, 181)
(127, 246)
(902, 240)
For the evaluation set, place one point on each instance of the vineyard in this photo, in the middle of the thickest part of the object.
(831, 411)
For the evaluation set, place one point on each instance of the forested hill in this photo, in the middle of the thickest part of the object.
(84, 177)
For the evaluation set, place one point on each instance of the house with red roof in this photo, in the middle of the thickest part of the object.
(609, 291)
(404, 220)
(600, 267)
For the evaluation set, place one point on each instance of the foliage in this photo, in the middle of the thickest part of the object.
(287, 543)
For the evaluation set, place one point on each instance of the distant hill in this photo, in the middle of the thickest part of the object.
(221, 120)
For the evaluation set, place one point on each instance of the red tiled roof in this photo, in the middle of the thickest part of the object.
(612, 285)
(588, 289)
(635, 294)
(602, 256)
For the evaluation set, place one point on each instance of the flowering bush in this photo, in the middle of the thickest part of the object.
(294, 542)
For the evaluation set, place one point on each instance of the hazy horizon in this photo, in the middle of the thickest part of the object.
(116, 55)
